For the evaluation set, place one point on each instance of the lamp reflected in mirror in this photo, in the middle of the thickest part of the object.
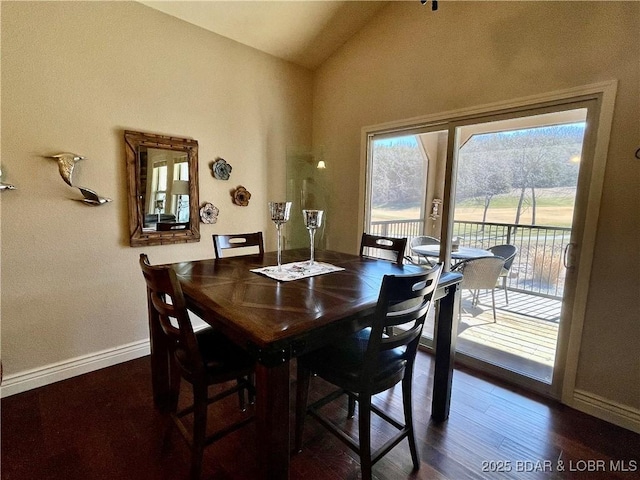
(180, 189)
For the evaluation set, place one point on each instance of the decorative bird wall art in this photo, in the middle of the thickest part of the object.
(91, 197)
(5, 186)
(66, 164)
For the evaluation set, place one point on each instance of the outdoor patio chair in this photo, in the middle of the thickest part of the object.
(508, 252)
(478, 274)
(418, 259)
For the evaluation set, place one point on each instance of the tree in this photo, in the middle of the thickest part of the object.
(397, 174)
(526, 160)
(482, 177)
(540, 159)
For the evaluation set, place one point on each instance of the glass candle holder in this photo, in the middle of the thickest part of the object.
(279, 212)
(313, 221)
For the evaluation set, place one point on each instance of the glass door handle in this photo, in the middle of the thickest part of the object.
(567, 258)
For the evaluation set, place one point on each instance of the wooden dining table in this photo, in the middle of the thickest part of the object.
(275, 321)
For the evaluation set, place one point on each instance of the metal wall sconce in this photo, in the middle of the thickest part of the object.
(435, 209)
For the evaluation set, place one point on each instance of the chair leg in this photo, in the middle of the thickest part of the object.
(199, 429)
(252, 391)
(171, 406)
(408, 419)
(249, 386)
(475, 297)
(302, 395)
(175, 378)
(242, 401)
(493, 303)
(351, 411)
(504, 285)
(364, 431)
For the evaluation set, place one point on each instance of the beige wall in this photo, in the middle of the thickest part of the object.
(74, 76)
(410, 62)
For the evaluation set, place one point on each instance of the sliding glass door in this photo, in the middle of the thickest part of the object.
(518, 177)
(516, 184)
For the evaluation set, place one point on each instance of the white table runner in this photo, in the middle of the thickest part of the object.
(297, 270)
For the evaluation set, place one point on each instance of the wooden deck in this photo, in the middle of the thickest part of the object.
(522, 339)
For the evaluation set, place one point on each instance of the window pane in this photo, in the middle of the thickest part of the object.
(398, 176)
(162, 178)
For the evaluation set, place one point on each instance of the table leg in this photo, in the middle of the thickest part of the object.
(272, 420)
(445, 342)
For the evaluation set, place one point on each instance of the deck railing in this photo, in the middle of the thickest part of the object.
(538, 266)
(398, 228)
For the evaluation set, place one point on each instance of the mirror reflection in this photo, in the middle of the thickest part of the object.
(164, 181)
(162, 178)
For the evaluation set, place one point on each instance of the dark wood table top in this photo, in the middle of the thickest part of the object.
(267, 314)
(277, 321)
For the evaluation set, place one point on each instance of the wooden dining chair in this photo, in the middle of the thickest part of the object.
(203, 359)
(370, 362)
(238, 240)
(382, 247)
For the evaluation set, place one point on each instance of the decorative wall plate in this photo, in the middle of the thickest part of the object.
(209, 213)
(221, 169)
(241, 196)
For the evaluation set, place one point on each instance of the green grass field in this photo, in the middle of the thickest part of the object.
(554, 207)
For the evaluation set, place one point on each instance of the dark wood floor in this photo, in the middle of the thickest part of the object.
(102, 426)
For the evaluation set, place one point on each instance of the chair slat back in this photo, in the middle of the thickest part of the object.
(168, 314)
(237, 240)
(404, 300)
(385, 248)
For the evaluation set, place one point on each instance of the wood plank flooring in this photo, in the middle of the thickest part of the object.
(102, 425)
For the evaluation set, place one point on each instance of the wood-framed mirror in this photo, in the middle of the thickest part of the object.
(162, 186)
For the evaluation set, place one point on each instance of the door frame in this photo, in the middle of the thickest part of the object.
(587, 203)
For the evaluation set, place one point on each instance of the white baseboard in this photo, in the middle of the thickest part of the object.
(622, 415)
(38, 377)
(600, 407)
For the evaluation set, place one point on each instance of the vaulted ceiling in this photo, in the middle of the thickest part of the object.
(305, 32)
